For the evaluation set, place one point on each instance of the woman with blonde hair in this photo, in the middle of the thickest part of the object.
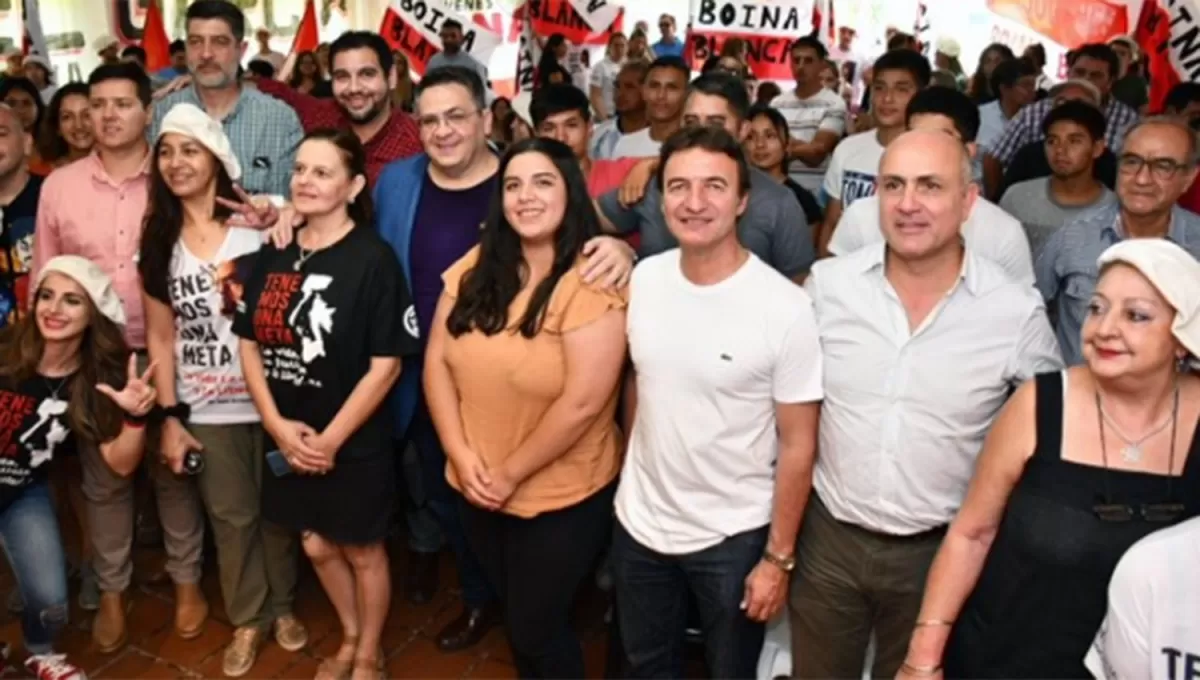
(1079, 465)
(402, 95)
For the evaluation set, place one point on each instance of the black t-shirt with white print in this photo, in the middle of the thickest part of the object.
(33, 429)
(318, 327)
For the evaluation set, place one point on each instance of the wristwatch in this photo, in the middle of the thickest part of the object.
(179, 411)
(785, 562)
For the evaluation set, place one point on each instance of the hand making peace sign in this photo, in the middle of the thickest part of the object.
(138, 395)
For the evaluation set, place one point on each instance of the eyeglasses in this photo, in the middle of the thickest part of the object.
(1160, 168)
(1158, 513)
(457, 119)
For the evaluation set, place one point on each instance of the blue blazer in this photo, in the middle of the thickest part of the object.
(396, 195)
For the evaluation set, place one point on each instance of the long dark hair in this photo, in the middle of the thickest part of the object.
(489, 288)
(361, 210)
(103, 358)
(164, 223)
(297, 77)
(980, 90)
(50, 142)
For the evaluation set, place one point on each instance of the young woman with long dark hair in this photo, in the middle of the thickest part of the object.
(188, 249)
(521, 377)
(324, 323)
(980, 87)
(309, 76)
(67, 380)
(66, 132)
(550, 69)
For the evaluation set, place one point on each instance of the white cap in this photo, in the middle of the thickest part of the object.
(1086, 85)
(104, 42)
(188, 120)
(1174, 273)
(40, 61)
(949, 47)
(92, 279)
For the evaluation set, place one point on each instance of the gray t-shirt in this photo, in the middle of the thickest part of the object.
(1032, 203)
(773, 227)
(460, 59)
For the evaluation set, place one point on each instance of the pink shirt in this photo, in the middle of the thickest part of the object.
(84, 212)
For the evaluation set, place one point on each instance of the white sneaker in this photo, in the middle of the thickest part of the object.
(53, 667)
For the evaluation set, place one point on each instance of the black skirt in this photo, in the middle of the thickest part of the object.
(351, 505)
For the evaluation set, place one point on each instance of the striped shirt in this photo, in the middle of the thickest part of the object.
(1067, 272)
(822, 112)
(263, 131)
(1026, 127)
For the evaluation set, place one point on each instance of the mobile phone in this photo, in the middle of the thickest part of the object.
(279, 464)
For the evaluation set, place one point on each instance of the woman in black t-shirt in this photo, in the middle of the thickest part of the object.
(56, 368)
(323, 324)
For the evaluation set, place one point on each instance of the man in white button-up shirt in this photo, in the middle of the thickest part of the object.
(923, 341)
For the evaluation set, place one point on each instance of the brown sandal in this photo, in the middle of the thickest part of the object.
(336, 669)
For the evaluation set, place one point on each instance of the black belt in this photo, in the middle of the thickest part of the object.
(936, 532)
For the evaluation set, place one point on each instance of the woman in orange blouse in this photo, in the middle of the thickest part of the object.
(521, 377)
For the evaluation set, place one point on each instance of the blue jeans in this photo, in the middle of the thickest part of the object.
(29, 534)
(442, 500)
(652, 592)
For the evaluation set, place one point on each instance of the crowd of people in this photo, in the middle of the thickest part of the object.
(916, 376)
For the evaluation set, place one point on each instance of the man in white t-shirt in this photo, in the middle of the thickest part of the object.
(1152, 630)
(816, 116)
(724, 399)
(988, 231)
(897, 76)
(603, 82)
(663, 90)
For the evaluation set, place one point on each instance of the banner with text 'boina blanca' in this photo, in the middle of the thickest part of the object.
(767, 26)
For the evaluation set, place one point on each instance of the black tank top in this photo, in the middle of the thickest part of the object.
(1043, 590)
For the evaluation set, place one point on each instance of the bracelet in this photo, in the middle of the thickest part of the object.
(933, 622)
(135, 424)
(920, 671)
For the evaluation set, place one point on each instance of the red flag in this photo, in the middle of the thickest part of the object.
(1153, 35)
(308, 36)
(155, 40)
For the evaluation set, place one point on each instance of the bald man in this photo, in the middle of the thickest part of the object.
(923, 340)
(987, 229)
(19, 192)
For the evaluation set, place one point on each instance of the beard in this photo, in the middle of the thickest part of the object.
(372, 113)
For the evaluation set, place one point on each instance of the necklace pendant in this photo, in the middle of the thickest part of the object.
(297, 264)
(1131, 454)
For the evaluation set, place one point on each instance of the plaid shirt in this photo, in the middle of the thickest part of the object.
(1067, 271)
(1026, 127)
(263, 133)
(399, 138)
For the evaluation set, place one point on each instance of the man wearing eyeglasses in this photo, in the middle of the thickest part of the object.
(670, 45)
(1157, 163)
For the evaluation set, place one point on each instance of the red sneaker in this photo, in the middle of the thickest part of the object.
(53, 667)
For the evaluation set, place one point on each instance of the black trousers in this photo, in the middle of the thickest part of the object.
(536, 567)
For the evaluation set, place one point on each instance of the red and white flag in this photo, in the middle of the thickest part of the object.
(33, 40)
(1166, 32)
(308, 36)
(415, 33)
(824, 23)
